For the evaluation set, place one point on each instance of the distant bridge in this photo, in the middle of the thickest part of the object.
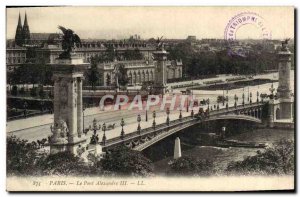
(140, 140)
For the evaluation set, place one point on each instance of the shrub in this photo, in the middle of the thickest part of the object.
(278, 159)
(124, 161)
(191, 166)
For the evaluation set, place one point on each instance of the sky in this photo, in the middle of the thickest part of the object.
(148, 22)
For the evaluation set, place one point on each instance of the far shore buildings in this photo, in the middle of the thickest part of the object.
(45, 48)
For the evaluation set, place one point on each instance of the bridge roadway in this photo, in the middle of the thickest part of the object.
(149, 136)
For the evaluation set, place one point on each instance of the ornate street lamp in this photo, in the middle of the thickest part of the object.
(122, 131)
(235, 100)
(25, 105)
(180, 114)
(187, 104)
(248, 94)
(227, 102)
(139, 126)
(272, 89)
(95, 125)
(42, 105)
(243, 96)
(168, 119)
(261, 97)
(223, 132)
(104, 137)
(154, 123)
(223, 98)
(207, 101)
(146, 115)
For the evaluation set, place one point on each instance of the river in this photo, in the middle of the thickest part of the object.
(222, 156)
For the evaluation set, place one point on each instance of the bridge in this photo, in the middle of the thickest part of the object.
(144, 138)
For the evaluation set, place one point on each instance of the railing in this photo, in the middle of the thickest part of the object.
(173, 125)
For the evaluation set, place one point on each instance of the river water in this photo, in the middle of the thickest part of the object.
(222, 156)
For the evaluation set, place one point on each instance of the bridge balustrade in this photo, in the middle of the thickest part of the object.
(173, 124)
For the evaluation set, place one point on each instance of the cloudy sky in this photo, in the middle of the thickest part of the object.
(171, 22)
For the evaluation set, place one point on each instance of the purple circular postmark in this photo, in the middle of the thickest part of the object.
(246, 18)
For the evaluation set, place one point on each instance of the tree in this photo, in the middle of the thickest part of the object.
(93, 74)
(41, 91)
(62, 163)
(14, 90)
(133, 54)
(21, 157)
(108, 80)
(278, 159)
(122, 75)
(191, 166)
(124, 161)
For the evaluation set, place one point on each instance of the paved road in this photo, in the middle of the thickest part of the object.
(39, 132)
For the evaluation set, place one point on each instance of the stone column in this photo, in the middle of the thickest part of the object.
(79, 107)
(56, 101)
(72, 110)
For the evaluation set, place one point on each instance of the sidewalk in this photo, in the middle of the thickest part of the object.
(46, 119)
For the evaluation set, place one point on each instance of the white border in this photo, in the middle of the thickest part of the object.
(4, 3)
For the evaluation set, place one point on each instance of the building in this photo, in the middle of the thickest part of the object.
(45, 48)
(138, 71)
(192, 38)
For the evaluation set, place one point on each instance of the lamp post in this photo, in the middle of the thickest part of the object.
(223, 99)
(168, 119)
(272, 89)
(104, 137)
(227, 102)
(139, 126)
(261, 97)
(95, 125)
(146, 115)
(122, 131)
(154, 123)
(223, 132)
(180, 114)
(248, 94)
(42, 105)
(243, 96)
(25, 105)
(207, 101)
(235, 100)
(187, 104)
(257, 95)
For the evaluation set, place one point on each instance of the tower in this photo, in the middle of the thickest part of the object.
(160, 55)
(26, 31)
(68, 116)
(284, 87)
(18, 36)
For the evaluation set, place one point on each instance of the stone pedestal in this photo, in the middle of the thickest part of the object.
(67, 131)
(284, 86)
(160, 72)
(177, 148)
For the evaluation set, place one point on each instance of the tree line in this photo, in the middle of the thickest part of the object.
(24, 160)
(202, 63)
